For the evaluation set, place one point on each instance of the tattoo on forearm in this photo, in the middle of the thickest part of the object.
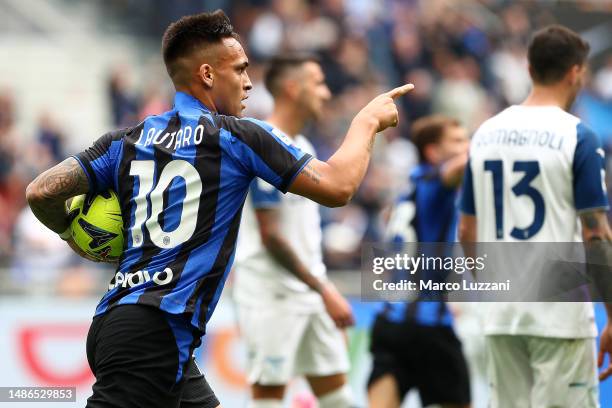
(312, 174)
(597, 237)
(53, 188)
(595, 227)
(590, 220)
(63, 181)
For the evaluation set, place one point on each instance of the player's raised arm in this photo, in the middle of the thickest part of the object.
(452, 171)
(48, 193)
(334, 182)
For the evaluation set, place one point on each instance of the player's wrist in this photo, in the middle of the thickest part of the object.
(317, 286)
(325, 287)
(367, 120)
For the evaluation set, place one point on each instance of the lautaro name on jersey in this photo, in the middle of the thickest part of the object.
(185, 136)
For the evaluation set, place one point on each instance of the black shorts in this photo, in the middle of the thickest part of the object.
(142, 358)
(428, 358)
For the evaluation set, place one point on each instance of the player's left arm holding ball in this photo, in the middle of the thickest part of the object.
(48, 193)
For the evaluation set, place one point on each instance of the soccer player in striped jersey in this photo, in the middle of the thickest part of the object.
(182, 178)
(534, 171)
(280, 277)
(414, 345)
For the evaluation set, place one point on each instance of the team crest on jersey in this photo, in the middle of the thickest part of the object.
(98, 236)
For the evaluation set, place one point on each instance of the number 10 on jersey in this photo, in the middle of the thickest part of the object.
(144, 171)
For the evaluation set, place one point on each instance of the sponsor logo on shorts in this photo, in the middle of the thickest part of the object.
(129, 280)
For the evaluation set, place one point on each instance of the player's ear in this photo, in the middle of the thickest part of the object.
(574, 74)
(206, 75)
(530, 69)
(292, 88)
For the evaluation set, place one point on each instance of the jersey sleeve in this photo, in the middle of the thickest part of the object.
(100, 161)
(264, 151)
(264, 195)
(589, 171)
(466, 197)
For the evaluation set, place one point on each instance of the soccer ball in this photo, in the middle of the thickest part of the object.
(97, 226)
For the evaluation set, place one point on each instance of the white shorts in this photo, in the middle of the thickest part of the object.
(282, 344)
(541, 372)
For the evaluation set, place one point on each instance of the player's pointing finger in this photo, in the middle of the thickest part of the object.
(400, 91)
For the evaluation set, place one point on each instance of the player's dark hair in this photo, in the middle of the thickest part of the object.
(280, 65)
(192, 32)
(429, 130)
(553, 51)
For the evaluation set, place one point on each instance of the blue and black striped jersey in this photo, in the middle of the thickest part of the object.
(182, 178)
(426, 214)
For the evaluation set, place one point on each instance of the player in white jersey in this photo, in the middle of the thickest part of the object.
(534, 171)
(289, 314)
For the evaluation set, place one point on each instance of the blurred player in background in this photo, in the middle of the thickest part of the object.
(182, 178)
(413, 343)
(281, 286)
(517, 189)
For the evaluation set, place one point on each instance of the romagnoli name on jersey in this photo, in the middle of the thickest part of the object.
(520, 137)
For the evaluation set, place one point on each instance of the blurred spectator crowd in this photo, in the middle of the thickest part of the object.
(467, 60)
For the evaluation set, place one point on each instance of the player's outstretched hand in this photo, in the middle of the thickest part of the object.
(337, 306)
(383, 109)
(605, 346)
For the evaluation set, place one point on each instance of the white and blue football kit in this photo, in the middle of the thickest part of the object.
(532, 170)
(305, 340)
(182, 178)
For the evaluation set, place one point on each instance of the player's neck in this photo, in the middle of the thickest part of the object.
(548, 96)
(287, 120)
(204, 98)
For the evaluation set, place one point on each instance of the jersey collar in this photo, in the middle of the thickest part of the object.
(184, 101)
